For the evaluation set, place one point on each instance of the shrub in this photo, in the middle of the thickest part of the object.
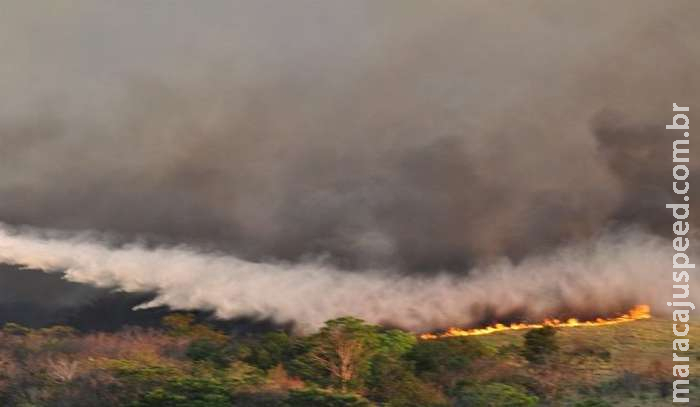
(441, 360)
(259, 399)
(540, 343)
(183, 325)
(138, 377)
(393, 382)
(269, 351)
(593, 402)
(178, 324)
(321, 398)
(11, 328)
(205, 350)
(242, 375)
(188, 392)
(90, 389)
(627, 383)
(493, 395)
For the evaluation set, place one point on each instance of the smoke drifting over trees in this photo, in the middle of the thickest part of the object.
(591, 278)
(396, 145)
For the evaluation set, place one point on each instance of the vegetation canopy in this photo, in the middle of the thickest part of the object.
(187, 362)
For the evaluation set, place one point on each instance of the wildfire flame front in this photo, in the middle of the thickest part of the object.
(637, 313)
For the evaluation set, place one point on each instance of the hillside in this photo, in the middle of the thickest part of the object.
(347, 363)
(623, 362)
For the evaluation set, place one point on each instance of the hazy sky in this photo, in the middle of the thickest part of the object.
(405, 133)
(406, 136)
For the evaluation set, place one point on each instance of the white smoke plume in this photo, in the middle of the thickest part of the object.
(615, 271)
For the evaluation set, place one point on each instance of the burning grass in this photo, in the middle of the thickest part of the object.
(637, 313)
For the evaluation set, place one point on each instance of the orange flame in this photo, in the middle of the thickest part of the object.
(635, 314)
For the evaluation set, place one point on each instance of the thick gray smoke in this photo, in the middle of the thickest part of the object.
(613, 272)
(311, 141)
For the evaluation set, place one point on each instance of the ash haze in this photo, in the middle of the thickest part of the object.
(416, 163)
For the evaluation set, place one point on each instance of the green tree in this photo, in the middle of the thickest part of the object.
(270, 350)
(241, 375)
(342, 350)
(444, 360)
(178, 324)
(183, 325)
(140, 374)
(188, 392)
(301, 365)
(206, 350)
(393, 383)
(395, 342)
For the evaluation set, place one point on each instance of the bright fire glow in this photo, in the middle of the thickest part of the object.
(635, 314)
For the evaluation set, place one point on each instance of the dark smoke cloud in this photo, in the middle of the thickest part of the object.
(395, 135)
